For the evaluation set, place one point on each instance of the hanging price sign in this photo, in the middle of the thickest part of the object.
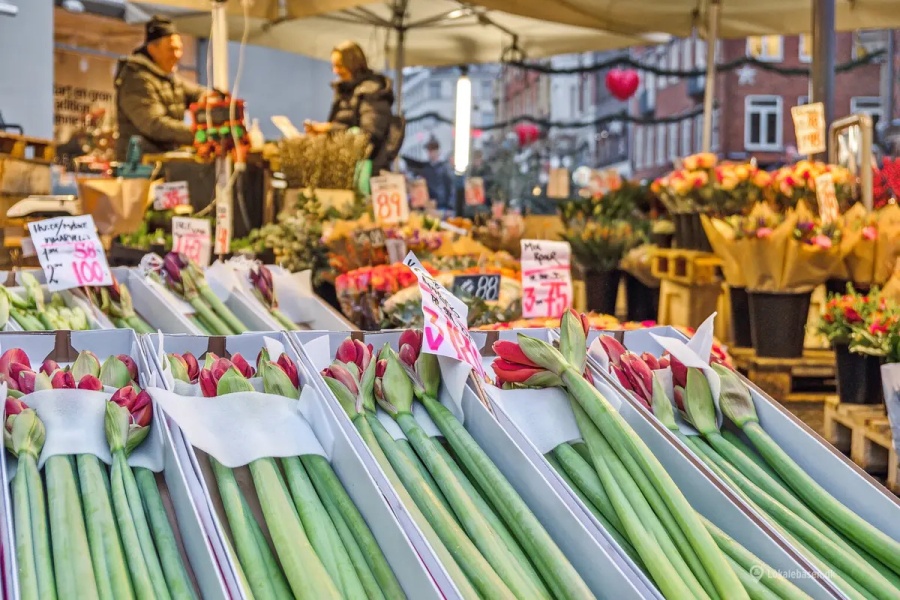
(826, 198)
(193, 238)
(223, 228)
(167, 196)
(446, 331)
(474, 191)
(389, 199)
(809, 125)
(70, 252)
(546, 278)
(486, 286)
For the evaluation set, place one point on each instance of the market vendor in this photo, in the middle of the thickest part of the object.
(362, 99)
(150, 98)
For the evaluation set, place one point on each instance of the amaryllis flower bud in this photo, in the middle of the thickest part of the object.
(90, 382)
(290, 369)
(27, 381)
(11, 384)
(11, 356)
(208, 383)
(363, 355)
(581, 318)
(393, 388)
(41, 382)
(14, 406)
(511, 352)
(130, 364)
(261, 278)
(276, 381)
(173, 263)
(16, 369)
(679, 397)
(640, 375)
(339, 372)
(622, 377)
(380, 367)
(679, 372)
(125, 397)
(242, 365)
(115, 294)
(651, 361)
(50, 366)
(114, 373)
(63, 380)
(664, 362)
(142, 410)
(220, 367)
(408, 355)
(412, 337)
(232, 381)
(508, 372)
(178, 367)
(352, 351)
(87, 363)
(614, 350)
(193, 367)
(211, 358)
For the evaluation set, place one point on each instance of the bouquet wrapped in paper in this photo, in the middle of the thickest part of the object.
(792, 184)
(636, 263)
(732, 236)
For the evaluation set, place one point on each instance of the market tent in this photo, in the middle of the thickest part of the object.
(739, 18)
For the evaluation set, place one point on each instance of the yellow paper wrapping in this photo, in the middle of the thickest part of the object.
(860, 262)
(851, 225)
(891, 290)
(721, 238)
(887, 244)
(762, 261)
(806, 265)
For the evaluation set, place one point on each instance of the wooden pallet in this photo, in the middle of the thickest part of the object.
(20, 146)
(687, 267)
(863, 432)
(810, 378)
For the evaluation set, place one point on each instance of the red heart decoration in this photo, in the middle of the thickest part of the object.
(622, 83)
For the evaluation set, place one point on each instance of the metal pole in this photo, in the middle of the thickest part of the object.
(823, 56)
(224, 167)
(399, 61)
(889, 75)
(709, 92)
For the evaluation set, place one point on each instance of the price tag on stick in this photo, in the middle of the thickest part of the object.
(486, 286)
(826, 198)
(223, 228)
(546, 278)
(167, 196)
(70, 252)
(809, 125)
(446, 331)
(193, 238)
(389, 199)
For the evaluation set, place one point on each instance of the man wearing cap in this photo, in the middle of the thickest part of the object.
(150, 98)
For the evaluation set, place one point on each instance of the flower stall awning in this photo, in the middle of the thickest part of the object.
(436, 32)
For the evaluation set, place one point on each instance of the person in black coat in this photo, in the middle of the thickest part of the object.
(362, 99)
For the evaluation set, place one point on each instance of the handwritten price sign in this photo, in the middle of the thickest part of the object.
(223, 228)
(418, 193)
(546, 278)
(389, 199)
(809, 125)
(446, 329)
(70, 252)
(474, 191)
(167, 196)
(193, 238)
(827, 198)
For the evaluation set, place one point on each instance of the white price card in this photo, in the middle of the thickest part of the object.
(193, 238)
(546, 278)
(70, 252)
(809, 126)
(446, 331)
(558, 185)
(167, 196)
(474, 191)
(223, 228)
(418, 193)
(826, 198)
(389, 199)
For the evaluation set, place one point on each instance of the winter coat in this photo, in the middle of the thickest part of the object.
(365, 102)
(441, 184)
(151, 103)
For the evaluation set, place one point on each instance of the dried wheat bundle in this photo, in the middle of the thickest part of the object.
(323, 161)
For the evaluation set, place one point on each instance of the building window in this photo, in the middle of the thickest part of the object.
(638, 148)
(714, 142)
(660, 144)
(768, 48)
(487, 89)
(673, 141)
(868, 42)
(659, 60)
(698, 133)
(435, 90)
(801, 100)
(686, 138)
(762, 122)
(804, 48)
(674, 55)
(700, 53)
(866, 105)
(649, 146)
(687, 58)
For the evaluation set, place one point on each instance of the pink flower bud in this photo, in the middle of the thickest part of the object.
(90, 382)
(26, 382)
(339, 373)
(242, 365)
(193, 367)
(508, 372)
(664, 362)
(614, 350)
(511, 352)
(142, 410)
(412, 337)
(125, 397)
(132, 366)
(14, 406)
(48, 367)
(622, 377)
(363, 355)
(220, 367)
(289, 368)
(380, 367)
(651, 361)
(408, 355)
(11, 356)
(16, 369)
(208, 383)
(62, 380)
(679, 398)
(346, 352)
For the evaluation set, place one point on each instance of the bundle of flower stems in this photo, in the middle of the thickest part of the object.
(83, 529)
(858, 558)
(323, 547)
(487, 538)
(186, 279)
(115, 302)
(32, 313)
(264, 290)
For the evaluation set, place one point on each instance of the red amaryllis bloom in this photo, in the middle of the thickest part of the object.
(193, 367)
(412, 338)
(16, 369)
(651, 361)
(208, 383)
(48, 367)
(220, 367)
(408, 355)
(354, 351)
(614, 350)
(26, 381)
(640, 375)
(125, 397)
(512, 353)
(130, 364)
(289, 368)
(142, 409)
(63, 380)
(339, 373)
(508, 372)
(14, 406)
(679, 372)
(242, 365)
(13, 356)
(585, 321)
(90, 382)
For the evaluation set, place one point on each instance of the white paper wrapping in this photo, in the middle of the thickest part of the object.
(544, 416)
(422, 418)
(238, 428)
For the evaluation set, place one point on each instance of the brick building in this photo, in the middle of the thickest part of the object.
(753, 106)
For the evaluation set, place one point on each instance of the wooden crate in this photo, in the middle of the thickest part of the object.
(20, 146)
(688, 267)
(809, 378)
(687, 305)
(873, 444)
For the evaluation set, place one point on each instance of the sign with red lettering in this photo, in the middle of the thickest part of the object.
(809, 125)
(167, 196)
(474, 191)
(193, 238)
(70, 252)
(389, 200)
(223, 228)
(546, 278)
(446, 329)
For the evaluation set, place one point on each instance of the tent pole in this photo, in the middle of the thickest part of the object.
(709, 91)
(399, 20)
(224, 167)
(823, 58)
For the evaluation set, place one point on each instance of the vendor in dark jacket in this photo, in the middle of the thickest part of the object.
(150, 98)
(363, 99)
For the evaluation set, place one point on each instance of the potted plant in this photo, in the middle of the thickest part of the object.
(858, 376)
(880, 337)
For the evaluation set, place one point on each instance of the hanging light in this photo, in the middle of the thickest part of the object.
(463, 126)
